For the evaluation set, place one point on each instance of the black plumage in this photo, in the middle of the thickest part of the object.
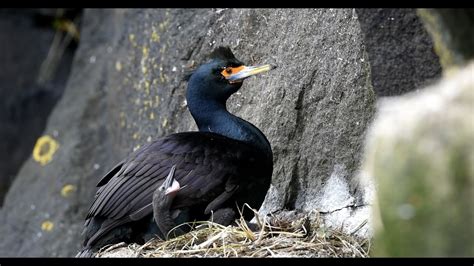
(221, 167)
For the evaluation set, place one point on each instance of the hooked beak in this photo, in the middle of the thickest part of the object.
(170, 184)
(247, 71)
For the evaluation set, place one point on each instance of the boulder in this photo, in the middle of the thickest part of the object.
(398, 44)
(420, 150)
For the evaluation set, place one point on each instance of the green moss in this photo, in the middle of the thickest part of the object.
(435, 29)
(425, 183)
(451, 31)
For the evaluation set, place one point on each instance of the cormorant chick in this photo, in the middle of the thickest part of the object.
(162, 200)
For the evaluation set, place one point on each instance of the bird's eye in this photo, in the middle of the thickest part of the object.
(226, 72)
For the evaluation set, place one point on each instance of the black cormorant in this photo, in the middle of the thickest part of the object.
(227, 163)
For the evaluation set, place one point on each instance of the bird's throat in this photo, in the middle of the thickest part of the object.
(214, 117)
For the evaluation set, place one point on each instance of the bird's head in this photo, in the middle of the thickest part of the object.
(221, 76)
(170, 186)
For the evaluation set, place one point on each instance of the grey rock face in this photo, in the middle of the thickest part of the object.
(25, 104)
(401, 52)
(126, 89)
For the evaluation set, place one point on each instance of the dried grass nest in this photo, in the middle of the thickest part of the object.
(281, 234)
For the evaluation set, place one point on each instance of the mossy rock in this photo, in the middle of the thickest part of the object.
(421, 153)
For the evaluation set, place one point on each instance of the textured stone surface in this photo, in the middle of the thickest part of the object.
(126, 89)
(25, 103)
(421, 152)
(398, 45)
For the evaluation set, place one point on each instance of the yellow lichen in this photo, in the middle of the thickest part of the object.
(145, 51)
(136, 135)
(44, 149)
(47, 226)
(163, 25)
(154, 36)
(122, 119)
(164, 123)
(152, 116)
(147, 87)
(131, 37)
(67, 189)
(118, 66)
(162, 78)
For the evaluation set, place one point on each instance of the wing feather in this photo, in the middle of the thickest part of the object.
(205, 162)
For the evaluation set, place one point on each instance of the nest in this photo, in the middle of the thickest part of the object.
(282, 234)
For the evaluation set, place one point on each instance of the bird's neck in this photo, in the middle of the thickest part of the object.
(163, 216)
(211, 116)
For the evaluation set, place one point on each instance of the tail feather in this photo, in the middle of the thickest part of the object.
(85, 253)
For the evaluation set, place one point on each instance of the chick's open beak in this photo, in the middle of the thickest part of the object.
(174, 188)
(247, 71)
(170, 184)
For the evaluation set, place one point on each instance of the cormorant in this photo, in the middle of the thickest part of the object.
(227, 163)
(162, 200)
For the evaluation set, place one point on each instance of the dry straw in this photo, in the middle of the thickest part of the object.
(284, 234)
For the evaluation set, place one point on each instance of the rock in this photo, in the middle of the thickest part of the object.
(421, 152)
(451, 30)
(25, 103)
(398, 44)
(126, 89)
